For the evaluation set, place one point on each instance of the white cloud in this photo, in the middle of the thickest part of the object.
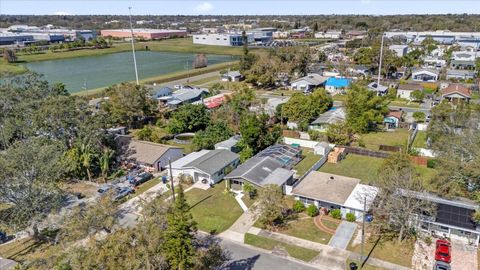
(61, 13)
(204, 7)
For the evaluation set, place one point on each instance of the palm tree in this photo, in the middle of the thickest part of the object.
(104, 159)
(86, 158)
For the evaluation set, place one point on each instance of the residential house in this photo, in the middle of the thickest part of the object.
(331, 191)
(399, 50)
(209, 165)
(159, 91)
(308, 83)
(463, 60)
(230, 144)
(337, 85)
(360, 70)
(405, 90)
(152, 156)
(380, 89)
(459, 74)
(434, 63)
(216, 101)
(393, 119)
(456, 92)
(400, 73)
(355, 34)
(232, 76)
(332, 116)
(451, 218)
(183, 96)
(260, 171)
(425, 75)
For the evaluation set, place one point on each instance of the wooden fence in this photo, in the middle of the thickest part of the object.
(365, 152)
(389, 148)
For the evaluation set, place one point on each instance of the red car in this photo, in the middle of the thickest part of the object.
(442, 251)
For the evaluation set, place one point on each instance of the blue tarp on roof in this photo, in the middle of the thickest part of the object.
(337, 82)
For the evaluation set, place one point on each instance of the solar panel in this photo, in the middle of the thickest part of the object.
(455, 216)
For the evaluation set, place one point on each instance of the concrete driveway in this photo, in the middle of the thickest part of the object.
(342, 235)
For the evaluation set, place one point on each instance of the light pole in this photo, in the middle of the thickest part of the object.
(380, 62)
(133, 46)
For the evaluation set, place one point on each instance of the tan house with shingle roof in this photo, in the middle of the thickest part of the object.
(456, 92)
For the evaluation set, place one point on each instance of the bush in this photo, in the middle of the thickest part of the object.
(312, 210)
(432, 163)
(298, 207)
(351, 217)
(428, 240)
(336, 213)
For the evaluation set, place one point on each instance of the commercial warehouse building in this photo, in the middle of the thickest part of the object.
(221, 39)
(143, 33)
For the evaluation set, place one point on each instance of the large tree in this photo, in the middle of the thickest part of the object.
(189, 118)
(270, 206)
(29, 172)
(397, 201)
(256, 133)
(128, 103)
(364, 109)
(214, 133)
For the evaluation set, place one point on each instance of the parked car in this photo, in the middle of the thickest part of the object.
(442, 251)
(103, 189)
(140, 179)
(428, 118)
(3, 237)
(441, 266)
(123, 192)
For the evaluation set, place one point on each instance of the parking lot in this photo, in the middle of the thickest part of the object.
(464, 256)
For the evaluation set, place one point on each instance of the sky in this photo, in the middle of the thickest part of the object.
(233, 7)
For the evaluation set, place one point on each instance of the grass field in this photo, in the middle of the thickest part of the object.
(11, 69)
(213, 210)
(206, 81)
(373, 140)
(309, 158)
(146, 186)
(366, 168)
(387, 249)
(181, 45)
(420, 140)
(300, 253)
(306, 229)
(404, 103)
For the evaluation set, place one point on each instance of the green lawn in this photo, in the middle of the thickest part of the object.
(306, 229)
(11, 69)
(404, 103)
(340, 98)
(213, 210)
(330, 224)
(309, 158)
(366, 168)
(146, 186)
(300, 253)
(387, 249)
(420, 140)
(373, 140)
(208, 80)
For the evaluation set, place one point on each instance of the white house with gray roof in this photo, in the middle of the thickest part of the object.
(260, 171)
(425, 75)
(332, 116)
(308, 83)
(184, 96)
(211, 165)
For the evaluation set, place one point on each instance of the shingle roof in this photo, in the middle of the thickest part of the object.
(213, 161)
(456, 88)
(396, 114)
(331, 116)
(147, 152)
(313, 79)
(410, 87)
(258, 170)
(326, 187)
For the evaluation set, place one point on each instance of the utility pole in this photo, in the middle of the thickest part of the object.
(171, 178)
(380, 62)
(133, 46)
(363, 230)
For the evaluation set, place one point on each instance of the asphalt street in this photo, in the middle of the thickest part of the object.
(248, 258)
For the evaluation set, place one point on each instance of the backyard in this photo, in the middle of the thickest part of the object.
(300, 253)
(420, 140)
(366, 168)
(309, 158)
(213, 210)
(373, 140)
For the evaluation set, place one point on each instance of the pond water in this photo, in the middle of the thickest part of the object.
(100, 71)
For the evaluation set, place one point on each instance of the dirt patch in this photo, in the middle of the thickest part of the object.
(86, 188)
(424, 255)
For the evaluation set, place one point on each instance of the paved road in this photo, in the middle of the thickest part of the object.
(342, 235)
(248, 258)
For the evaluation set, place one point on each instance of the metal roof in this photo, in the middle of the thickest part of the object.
(286, 154)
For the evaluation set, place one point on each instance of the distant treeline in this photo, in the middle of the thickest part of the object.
(453, 22)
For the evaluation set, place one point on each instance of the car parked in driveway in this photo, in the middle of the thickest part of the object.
(443, 251)
(140, 179)
(104, 189)
(439, 265)
(123, 192)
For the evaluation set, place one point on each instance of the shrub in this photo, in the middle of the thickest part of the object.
(312, 210)
(428, 240)
(432, 163)
(336, 213)
(298, 207)
(351, 217)
(361, 143)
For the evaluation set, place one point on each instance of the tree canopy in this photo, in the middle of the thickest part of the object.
(189, 118)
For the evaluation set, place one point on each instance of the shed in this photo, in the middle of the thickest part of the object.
(322, 149)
